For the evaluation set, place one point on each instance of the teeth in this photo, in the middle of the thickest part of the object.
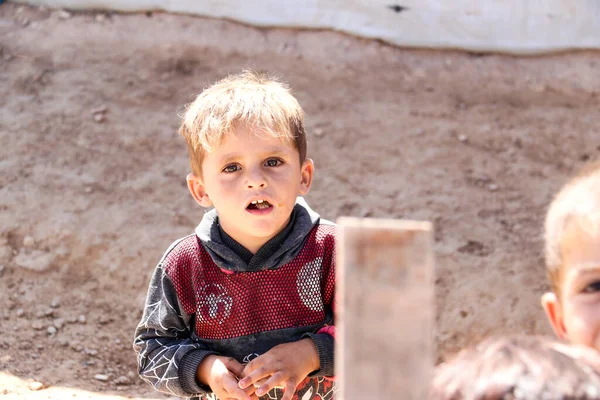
(258, 201)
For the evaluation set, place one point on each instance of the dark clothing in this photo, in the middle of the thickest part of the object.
(210, 295)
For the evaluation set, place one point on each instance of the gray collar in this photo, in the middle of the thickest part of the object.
(209, 234)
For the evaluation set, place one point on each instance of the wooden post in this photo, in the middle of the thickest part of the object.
(385, 309)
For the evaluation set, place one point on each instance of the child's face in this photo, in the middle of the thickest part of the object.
(576, 315)
(252, 180)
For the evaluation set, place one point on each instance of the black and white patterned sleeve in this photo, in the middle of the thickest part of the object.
(168, 357)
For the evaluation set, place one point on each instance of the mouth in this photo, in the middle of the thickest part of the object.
(258, 205)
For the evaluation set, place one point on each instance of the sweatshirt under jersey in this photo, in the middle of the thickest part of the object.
(210, 295)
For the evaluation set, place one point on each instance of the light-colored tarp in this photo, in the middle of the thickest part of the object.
(515, 26)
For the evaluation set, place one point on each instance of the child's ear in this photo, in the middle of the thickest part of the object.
(306, 175)
(553, 311)
(196, 187)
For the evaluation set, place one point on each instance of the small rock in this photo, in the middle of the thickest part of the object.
(37, 325)
(25, 22)
(89, 190)
(91, 352)
(55, 303)
(100, 17)
(63, 14)
(63, 342)
(118, 341)
(35, 260)
(35, 386)
(100, 109)
(49, 313)
(28, 241)
(52, 330)
(131, 374)
(20, 312)
(6, 315)
(81, 319)
(101, 377)
(99, 118)
(58, 323)
(122, 380)
(319, 132)
(462, 138)
(492, 187)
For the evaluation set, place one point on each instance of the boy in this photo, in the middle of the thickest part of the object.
(519, 367)
(242, 307)
(572, 236)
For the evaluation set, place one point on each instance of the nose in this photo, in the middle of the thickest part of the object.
(255, 179)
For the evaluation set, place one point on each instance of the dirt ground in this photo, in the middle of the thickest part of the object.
(92, 174)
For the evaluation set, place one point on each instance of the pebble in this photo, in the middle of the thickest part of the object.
(101, 109)
(55, 303)
(101, 377)
(37, 325)
(63, 342)
(91, 352)
(319, 132)
(20, 312)
(99, 118)
(100, 17)
(122, 380)
(35, 386)
(63, 14)
(81, 319)
(28, 241)
(462, 138)
(492, 187)
(58, 323)
(52, 330)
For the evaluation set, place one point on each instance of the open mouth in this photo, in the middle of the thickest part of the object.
(259, 205)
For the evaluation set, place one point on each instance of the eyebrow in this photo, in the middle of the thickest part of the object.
(270, 151)
(586, 269)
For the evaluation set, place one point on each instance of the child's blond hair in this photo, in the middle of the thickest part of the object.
(251, 99)
(577, 205)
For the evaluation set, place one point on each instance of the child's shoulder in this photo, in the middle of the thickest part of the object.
(182, 249)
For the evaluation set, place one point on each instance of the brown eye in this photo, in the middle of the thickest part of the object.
(593, 287)
(231, 168)
(273, 162)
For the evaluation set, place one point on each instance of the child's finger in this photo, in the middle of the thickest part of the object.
(254, 376)
(233, 390)
(289, 390)
(274, 381)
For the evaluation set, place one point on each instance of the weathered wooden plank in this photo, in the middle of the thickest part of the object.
(385, 309)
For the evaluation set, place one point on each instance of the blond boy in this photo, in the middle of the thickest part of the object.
(242, 307)
(572, 236)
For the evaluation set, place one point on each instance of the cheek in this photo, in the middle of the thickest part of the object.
(582, 322)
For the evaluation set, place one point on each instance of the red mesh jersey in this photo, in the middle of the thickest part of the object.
(245, 303)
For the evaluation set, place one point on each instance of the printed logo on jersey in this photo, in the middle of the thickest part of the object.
(214, 304)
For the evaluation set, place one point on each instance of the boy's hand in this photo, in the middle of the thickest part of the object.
(285, 365)
(221, 374)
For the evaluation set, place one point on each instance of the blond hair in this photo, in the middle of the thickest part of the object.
(576, 206)
(251, 99)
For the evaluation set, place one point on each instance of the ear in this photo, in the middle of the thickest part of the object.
(306, 175)
(553, 311)
(196, 188)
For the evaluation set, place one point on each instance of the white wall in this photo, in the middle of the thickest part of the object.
(517, 26)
